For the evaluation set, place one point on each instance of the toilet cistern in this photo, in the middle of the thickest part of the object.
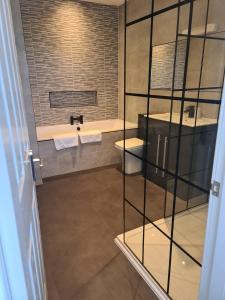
(132, 163)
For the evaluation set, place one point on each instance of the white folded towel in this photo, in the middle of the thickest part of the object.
(90, 136)
(65, 140)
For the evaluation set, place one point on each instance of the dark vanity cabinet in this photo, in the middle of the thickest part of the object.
(195, 155)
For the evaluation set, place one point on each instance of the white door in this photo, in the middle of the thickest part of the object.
(21, 263)
(213, 271)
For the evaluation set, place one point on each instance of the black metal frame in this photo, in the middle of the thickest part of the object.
(176, 98)
(182, 99)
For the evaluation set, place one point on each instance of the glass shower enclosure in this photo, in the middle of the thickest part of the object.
(174, 55)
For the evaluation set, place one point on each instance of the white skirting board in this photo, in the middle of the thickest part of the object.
(158, 291)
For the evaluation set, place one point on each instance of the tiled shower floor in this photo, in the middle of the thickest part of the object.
(189, 232)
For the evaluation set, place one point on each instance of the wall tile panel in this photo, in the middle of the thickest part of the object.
(71, 46)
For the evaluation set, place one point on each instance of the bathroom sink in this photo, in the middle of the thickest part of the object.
(186, 121)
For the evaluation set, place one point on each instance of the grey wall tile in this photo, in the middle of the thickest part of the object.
(71, 46)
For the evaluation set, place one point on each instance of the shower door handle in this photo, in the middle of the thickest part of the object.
(157, 153)
(164, 156)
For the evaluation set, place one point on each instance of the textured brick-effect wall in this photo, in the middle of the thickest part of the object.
(163, 64)
(71, 45)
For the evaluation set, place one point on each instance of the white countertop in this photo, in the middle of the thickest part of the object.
(186, 121)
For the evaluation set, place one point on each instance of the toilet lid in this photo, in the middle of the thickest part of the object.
(130, 143)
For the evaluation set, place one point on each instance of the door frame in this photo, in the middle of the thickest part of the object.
(13, 276)
(212, 284)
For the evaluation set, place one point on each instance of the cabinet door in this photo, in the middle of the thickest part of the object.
(142, 127)
(195, 162)
(201, 166)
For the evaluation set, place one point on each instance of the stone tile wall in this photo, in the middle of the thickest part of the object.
(71, 46)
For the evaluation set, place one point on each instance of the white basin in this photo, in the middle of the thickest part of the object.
(186, 121)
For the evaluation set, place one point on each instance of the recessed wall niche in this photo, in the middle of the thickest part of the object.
(63, 99)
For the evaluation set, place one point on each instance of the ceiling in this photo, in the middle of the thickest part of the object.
(107, 2)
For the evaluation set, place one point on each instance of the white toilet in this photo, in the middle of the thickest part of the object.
(133, 145)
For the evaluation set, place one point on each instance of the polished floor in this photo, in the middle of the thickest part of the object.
(80, 215)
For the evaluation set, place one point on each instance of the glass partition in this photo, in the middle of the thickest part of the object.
(174, 74)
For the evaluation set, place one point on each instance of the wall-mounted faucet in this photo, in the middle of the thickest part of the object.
(79, 119)
(191, 111)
